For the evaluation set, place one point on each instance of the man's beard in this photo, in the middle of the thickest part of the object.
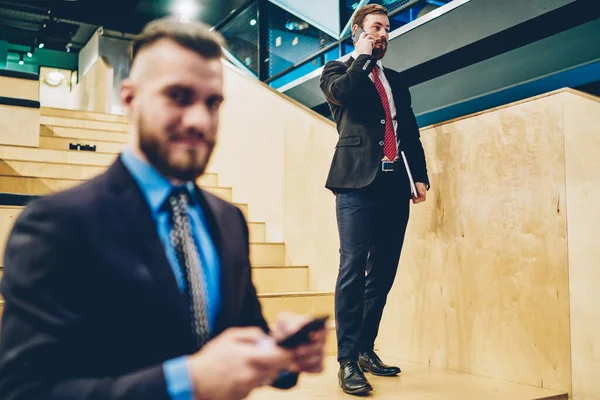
(158, 155)
(379, 52)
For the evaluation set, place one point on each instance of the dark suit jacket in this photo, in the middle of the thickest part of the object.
(92, 307)
(358, 112)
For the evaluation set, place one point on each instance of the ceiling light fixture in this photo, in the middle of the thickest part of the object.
(186, 9)
(54, 78)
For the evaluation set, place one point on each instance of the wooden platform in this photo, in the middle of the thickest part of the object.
(416, 382)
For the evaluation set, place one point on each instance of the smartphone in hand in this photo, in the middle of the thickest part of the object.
(356, 35)
(301, 336)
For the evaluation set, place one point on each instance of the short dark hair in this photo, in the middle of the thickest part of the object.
(361, 13)
(194, 36)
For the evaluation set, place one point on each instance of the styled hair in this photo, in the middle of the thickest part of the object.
(194, 36)
(361, 13)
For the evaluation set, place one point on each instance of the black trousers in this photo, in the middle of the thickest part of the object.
(372, 223)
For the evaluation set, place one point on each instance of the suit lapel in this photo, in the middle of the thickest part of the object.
(215, 224)
(131, 217)
(133, 224)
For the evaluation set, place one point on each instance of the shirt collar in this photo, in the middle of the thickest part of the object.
(379, 63)
(155, 187)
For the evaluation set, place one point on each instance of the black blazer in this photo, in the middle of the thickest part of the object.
(358, 112)
(92, 307)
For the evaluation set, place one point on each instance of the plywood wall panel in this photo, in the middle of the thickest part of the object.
(582, 149)
(482, 285)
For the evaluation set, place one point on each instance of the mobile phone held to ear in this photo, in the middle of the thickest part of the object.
(356, 35)
(301, 336)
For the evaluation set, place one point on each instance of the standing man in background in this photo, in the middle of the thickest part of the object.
(372, 109)
(136, 285)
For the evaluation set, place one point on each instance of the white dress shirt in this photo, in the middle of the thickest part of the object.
(388, 91)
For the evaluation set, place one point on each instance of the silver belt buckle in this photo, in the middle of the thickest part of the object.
(387, 166)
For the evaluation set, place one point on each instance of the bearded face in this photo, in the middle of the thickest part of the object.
(380, 49)
(175, 151)
(173, 100)
(378, 26)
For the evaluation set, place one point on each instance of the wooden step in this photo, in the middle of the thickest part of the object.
(64, 171)
(18, 88)
(57, 143)
(243, 208)
(258, 231)
(48, 170)
(83, 134)
(311, 303)
(8, 216)
(87, 115)
(30, 154)
(34, 186)
(265, 254)
(208, 180)
(280, 279)
(84, 124)
(221, 192)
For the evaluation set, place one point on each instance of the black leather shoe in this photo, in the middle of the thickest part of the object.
(352, 379)
(369, 362)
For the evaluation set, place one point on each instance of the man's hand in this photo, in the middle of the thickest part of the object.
(236, 362)
(365, 44)
(422, 190)
(308, 357)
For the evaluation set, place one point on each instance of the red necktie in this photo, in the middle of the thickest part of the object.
(389, 142)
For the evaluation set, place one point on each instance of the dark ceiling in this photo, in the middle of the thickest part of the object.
(58, 23)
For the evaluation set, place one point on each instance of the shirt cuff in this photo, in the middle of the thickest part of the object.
(179, 384)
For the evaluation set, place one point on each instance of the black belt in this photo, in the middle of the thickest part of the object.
(390, 166)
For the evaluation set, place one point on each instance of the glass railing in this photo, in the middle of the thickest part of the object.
(280, 47)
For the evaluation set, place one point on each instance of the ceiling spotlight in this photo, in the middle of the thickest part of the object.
(41, 45)
(29, 54)
(186, 9)
(252, 22)
(21, 62)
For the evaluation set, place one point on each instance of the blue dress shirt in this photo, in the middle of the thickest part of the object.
(156, 190)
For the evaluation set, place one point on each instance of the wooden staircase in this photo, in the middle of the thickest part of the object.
(53, 166)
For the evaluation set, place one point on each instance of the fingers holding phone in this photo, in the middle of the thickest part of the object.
(305, 338)
(309, 357)
(236, 362)
(363, 42)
